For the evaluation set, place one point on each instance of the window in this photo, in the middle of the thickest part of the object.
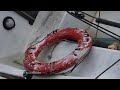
(28, 15)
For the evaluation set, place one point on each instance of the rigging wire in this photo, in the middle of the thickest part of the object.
(107, 69)
(110, 65)
(88, 14)
(94, 25)
(89, 23)
(96, 30)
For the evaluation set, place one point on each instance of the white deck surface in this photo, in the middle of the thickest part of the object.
(97, 61)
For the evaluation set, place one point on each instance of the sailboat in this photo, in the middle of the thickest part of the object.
(20, 29)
